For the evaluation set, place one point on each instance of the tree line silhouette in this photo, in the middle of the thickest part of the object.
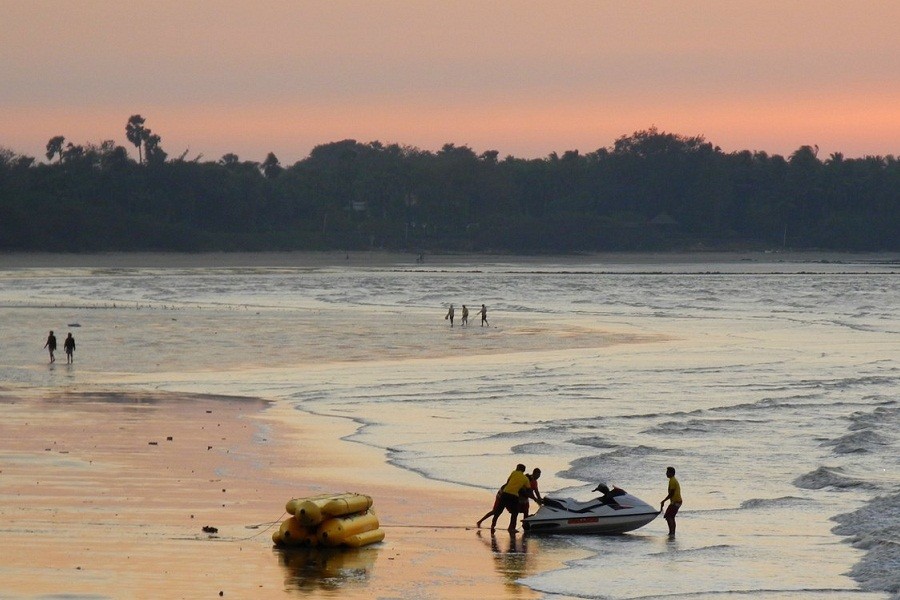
(650, 190)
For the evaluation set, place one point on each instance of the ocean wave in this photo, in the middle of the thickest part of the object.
(621, 469)
(540, 448)
(681, 427)
(832, 477)
(593, 442)
(636, 451)
(773, 502)
(867, 381)
(859, 442)
(888, 413)
(875, 528)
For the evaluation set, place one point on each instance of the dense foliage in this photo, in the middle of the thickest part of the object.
(648, 191)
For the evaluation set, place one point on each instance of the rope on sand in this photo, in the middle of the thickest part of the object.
(268, 525)
(398, 525)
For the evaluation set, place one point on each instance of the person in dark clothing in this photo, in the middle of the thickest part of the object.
(51, 345)
(69, 347)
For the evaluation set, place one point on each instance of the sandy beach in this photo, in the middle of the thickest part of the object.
(105, 495)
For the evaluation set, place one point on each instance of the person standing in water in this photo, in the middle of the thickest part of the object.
(484, 316)
(674, 498)
(465, 317)
(51, 346)
(449, 315)
(69, 347)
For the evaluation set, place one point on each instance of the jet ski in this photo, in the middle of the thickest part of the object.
(615, 511)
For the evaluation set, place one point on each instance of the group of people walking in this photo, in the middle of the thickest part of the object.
(465, 316)
(68, 346)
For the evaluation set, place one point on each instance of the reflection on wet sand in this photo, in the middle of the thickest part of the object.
(511, 555)
(308, 569)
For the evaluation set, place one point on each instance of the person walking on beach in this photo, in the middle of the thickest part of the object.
(484, 316)
(674, 498)
(69, 347)
(465, 317)
(51, 346)
(509, 499)
(449, 315)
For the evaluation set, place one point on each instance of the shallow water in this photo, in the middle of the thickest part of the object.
(770, 386)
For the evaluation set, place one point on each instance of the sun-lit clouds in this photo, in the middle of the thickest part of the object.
(524, 78)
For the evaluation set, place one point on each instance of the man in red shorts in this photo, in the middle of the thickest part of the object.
(509, 499)
(674, 499)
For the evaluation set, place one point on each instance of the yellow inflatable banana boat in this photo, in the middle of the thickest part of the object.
(329, 520)
(364, 539)
(293, 533)
(336, 530)
(313, 510)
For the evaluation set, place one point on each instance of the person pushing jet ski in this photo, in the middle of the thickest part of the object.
(509, 497)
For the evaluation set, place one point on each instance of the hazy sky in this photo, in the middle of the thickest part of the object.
(524, 78)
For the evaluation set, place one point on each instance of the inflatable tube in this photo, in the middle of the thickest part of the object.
(291, 506)
(293, 533)
(364, 539)
(314, 510)
(347, 504)
(335, 530)
(309, 513)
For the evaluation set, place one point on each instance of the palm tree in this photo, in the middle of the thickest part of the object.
(55, 147)
(136, 133)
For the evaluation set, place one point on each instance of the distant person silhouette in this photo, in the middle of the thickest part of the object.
(484, 320)
(69, 347)
(465, 317)
(449, 315)
(51, 346)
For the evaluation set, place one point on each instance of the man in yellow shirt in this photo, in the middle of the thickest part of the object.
(674, 499)
(509, 497)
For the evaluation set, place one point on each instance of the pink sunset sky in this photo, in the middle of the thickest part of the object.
(524, 78)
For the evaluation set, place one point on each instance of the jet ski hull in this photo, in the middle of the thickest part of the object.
(625, 513)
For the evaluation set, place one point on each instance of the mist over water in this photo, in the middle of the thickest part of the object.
(771, 387)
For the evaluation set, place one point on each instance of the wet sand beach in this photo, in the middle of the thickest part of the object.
(105, 495)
